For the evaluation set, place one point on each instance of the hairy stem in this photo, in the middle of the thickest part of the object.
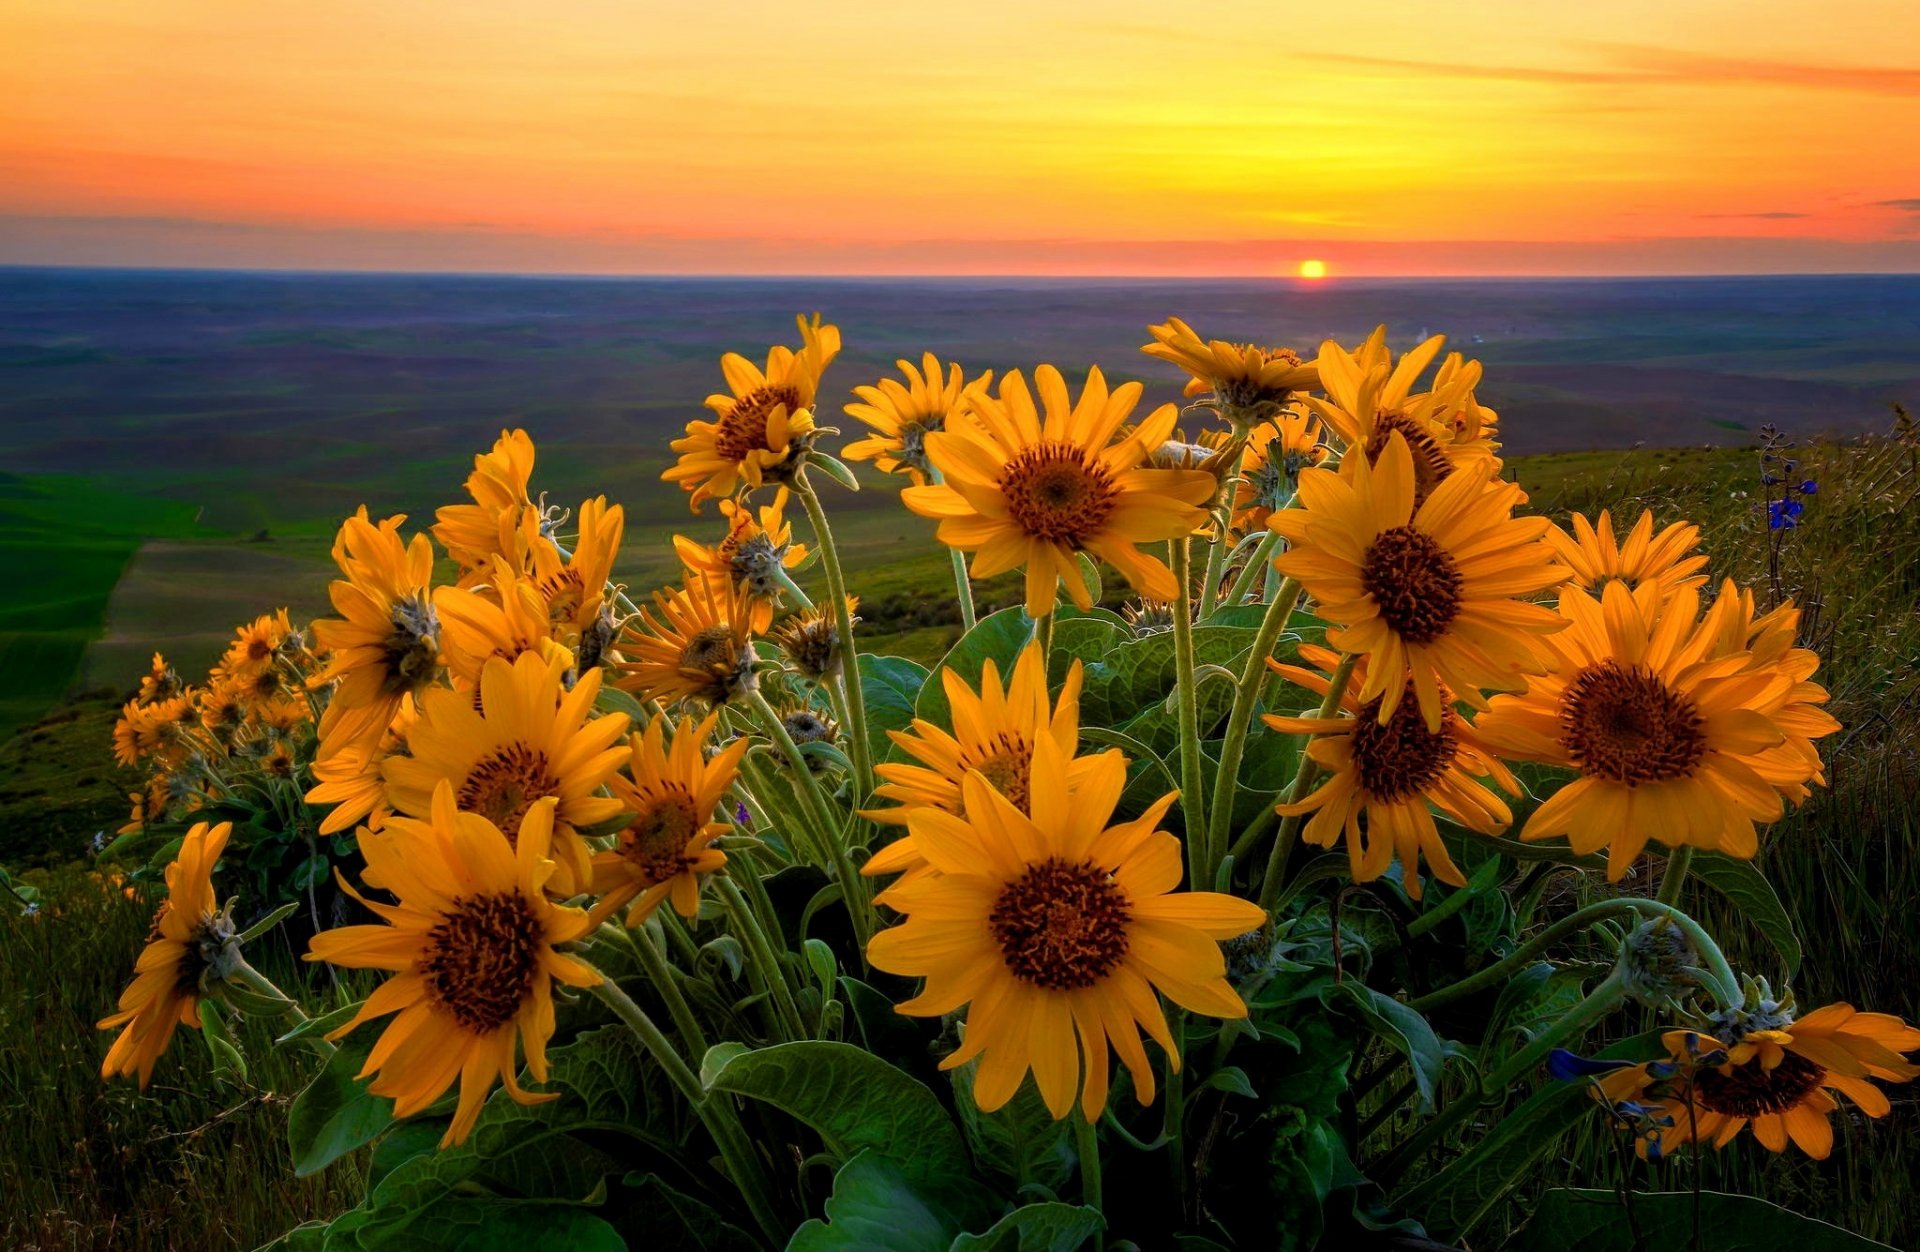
(1192, 808)
(1226, 783)
(1303, 780)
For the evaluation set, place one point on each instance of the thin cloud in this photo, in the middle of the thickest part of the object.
(1640, 64)
(1905, 206)
(1777, 215)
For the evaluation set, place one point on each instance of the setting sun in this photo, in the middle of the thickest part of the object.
(1313, 269)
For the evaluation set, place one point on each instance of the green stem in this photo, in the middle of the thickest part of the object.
(814, 803)
(661, 975)
(1226, 784)
(773, 975)
(795, 820)
(1173, 1128)
(1303, 780)
(719, 1116)
(1679, 861)
(843, 619)
(1086, 1145)
(1210, 577)
(1245, 583)
(962, 587)
(1192, 807)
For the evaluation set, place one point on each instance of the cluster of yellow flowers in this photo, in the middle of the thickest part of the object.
(506, 805)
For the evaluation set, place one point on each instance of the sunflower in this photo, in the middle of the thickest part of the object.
(1387, 778)
(1472, 422)
(1369, 401)
(1780, 1081)
(1669, 741)
(669, 801)
(159, 682)
(758, 428)
(1247, 382)
(386, 641)
(574, 587)
(256, 644)
(285, 714)
(902, 416)
(1427, 591)
(495, 522)
(155, 730)
(1057, 925)
(529, 739)
(756, 551)
(1771, 641)
(189, 934)
(996, 732)
(699, 647)
(353, 781)
(1032, 485)
(471, 947)
(1270, 467)
(508, 617)
(1669, 560)
(810, 640)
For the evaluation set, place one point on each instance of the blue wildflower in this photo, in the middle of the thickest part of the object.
(1567, 1066)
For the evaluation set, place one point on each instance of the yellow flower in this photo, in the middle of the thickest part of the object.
(995, 733)
(1771, 641)
(902, 416)
(386, 641)
(1369, 400)
(1055, 931)
(1457, 407)
(755, 551)
(153, 730)
(810, 640)
(353, 782)
(256, 644)
(1666, 738)
(759, 426)
(1247, 382)
(1385, 779)
(666, 844)
(159, 682)
(1669, 560)
(574, 587)
(471, 947)
(699, 648)
(1270, 467)
(494, 524)
(1032, 485)
(507, 618)
(221, 710)
(529, 739)
(166, 989)
(1779, 1081)
(1427, 591)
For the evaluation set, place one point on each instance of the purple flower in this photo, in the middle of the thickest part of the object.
(1808, 487)
(1567, 1066)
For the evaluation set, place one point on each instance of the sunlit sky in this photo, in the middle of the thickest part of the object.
(986, 137)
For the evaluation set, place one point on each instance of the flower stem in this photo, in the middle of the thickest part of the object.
(1210, 578)
(721, 1119)
(1227, 782)
(772, 974)
(1303, 779)
(1248, 581)
(661, 975)
(1192, 806)
(962, 587)
(1679, 861)
(1086, 1145)
(843, 620)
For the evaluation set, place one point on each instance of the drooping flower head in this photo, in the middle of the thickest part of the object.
(698, 646)
(530, 739)
(470, 944)
(386, 641)
(155, 731)
(810, 640)
(669, 796)
(1386, 779)
(1369, 400)
(1433, 591)
(574, 587)
(507, 616)
(903, 415)
(189, 935)
(494, 524)
(1270, 467)
(1032, 484)
(760, 422)
(1669, 560)
(1247, 383)
(756, 549)
(1055, 931)
(1668, 739)
(160, 682)
(353, 781)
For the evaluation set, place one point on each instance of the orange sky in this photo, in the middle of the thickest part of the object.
(991, 136)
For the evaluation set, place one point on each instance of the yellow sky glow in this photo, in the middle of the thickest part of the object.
(1000, 136)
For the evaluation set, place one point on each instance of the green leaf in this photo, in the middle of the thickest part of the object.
(1048, 1227)
(1405, 1029)
(1020, 1141)
(683, 1223)
(874, 1208)
(854, 1100)
(889, 685)
(1749, 891)
(1569, 1219)
(613, 700)
(268, 922)
(336, 1114)
(1454, 1201)
(461, 1223)
(306, 1237)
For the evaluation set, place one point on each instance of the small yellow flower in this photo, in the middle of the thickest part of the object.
(1270, 467)
(1248, 383)
(386, 641)
(1669, 560)
(495, 523)
(665, 847)
(699, 647)
(757, 547)
(903, 415)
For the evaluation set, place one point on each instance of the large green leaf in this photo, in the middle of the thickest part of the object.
(1048, 1227)
(1404, 1028)
(680, 1223)
(1021, 1141)
(854, 1100)
(463, 1223)
(1749, 891)
(874, 1208)
(1140, 672)
(336, 1114)
(1568, 1219)
(890, 685)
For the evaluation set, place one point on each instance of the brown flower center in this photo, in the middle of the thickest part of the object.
(1007, 763)
(1751, 1090)
(503, 786)
(1623, 723)
(1054, 492)
(1402, 758)
(1061, 926)
(744, 428)
(1414, 582)
(655, 841)
(1430, 463)
(411, 651)
(482, 958)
